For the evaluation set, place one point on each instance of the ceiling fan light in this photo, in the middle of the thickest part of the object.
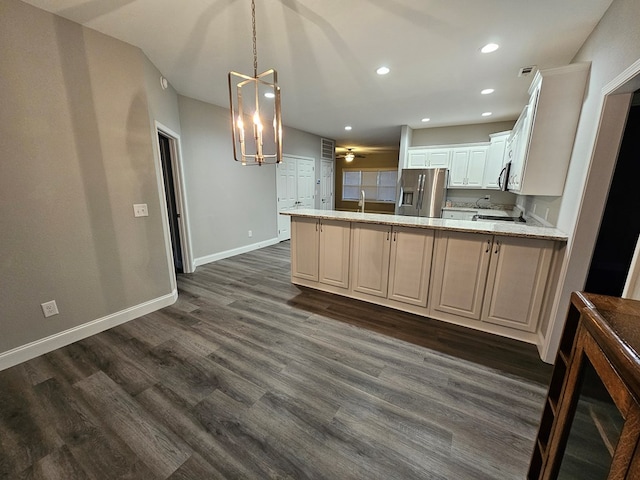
(349, 157)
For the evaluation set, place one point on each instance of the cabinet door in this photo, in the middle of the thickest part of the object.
(495, 161)
(304, 248)
(410, 265)
(417, 159)
(460, 273)
(459, 165)
(370, 259)
(475, 168)
(517, 278)
(438, 157)
(335, 237)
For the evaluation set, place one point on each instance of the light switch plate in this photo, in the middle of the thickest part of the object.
(140, 210)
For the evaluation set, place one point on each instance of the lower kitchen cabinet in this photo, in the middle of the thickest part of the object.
(493, 283)
(370, 259)
(516, 283)
(335, 239)
(320, 250)
(498, 280)
(410, 265)
(460, 273)
(305, 241)
(392, 263)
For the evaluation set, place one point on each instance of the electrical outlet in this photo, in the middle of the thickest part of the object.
(140, 210)
(250, 234)
(49, 308)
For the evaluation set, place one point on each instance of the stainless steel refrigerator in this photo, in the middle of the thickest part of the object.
(422, 192)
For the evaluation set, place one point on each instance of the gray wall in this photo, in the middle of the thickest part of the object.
(226, 199)
(76, 155)
(479, 132)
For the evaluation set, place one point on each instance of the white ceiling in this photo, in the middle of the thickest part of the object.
(326, 53)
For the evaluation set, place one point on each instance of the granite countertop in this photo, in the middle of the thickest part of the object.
(494, 228)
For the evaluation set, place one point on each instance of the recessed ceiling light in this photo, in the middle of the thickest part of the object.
(487, 114)
(383, 70)
(425, 119)
(270, 95)
(490, 47)
(487, 91)
(348, 127)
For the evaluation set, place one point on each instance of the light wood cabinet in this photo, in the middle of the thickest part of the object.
(305, 240)
(467, 167)
(460, 273)
(320, 251)
(498, 280)
(335, 247)
(370, 259)
(493, 283)
(516, 282)
(410, 265)
(392, 263)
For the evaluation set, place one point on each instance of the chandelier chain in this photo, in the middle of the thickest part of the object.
(255, 48)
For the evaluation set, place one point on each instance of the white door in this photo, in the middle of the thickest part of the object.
(295, 188)
(326, 185)
(287, 197)
(306, 180)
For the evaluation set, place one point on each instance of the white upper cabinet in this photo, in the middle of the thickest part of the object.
(546, 130)
(467, 166)
(496, 160)
(426, 157)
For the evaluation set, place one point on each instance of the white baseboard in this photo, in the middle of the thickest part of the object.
(235, 251)
(62, 339)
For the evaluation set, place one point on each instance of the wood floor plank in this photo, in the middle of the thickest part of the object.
(250, 377)
(162, 451)
(96, 448)
(25, 434)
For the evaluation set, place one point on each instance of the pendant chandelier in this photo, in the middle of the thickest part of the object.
(256, 121)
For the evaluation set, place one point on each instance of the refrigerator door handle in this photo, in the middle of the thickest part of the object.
(421, 181)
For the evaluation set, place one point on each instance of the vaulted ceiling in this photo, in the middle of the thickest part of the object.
(327, 52)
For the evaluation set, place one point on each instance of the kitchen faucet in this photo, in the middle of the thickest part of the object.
(361, 202)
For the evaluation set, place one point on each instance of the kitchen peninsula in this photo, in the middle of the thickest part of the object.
(498, 277)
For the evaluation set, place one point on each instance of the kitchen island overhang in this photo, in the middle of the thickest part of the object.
(499, 278)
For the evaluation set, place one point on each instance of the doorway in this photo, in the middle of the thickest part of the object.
(170, 196)
(177, 233)
(618, 233)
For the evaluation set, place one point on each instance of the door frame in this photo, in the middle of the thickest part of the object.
(181, 199)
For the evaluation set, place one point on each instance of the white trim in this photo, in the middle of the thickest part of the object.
(181, 198)
(234, 251)
(67, 337)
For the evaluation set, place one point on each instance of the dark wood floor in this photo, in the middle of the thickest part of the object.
(247, 376)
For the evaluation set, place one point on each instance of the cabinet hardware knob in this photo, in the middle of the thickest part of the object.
(497, 247)
(488, 246)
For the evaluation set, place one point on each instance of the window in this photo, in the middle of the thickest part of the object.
(379, 185)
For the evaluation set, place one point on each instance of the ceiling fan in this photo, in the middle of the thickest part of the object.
(349, 155)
